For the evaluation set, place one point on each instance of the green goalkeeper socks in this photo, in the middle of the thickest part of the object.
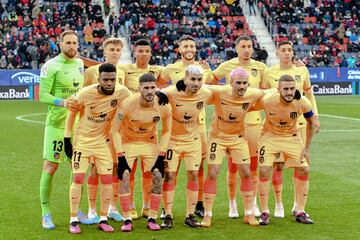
(45, 191)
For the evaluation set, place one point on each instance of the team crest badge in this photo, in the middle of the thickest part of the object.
(156, 119)
(113, 103)
(56, 155)
(297, 78)
(245, 106)
(199, 105)
(76, 165)
(75, 84)
(212, 156)
(254, 72)
(293, 115)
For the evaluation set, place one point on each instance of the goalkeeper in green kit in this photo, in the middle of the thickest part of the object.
(60, 78)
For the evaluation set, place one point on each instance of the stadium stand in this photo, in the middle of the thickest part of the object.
(214, 24)
(324, 33)
(29, 30)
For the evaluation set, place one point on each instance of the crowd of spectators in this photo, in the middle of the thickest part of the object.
(214, 24)
(324, 33)
(30, 30)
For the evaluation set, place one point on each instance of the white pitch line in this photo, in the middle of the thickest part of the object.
(22, 118)
(340, 117)
(340, 130)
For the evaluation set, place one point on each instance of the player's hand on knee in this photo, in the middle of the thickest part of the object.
(160, 165)
(181, 86)
(71, 104)
(68, 147)
(163, 99)
(122, 166)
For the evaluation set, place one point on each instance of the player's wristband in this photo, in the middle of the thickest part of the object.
(60, 102)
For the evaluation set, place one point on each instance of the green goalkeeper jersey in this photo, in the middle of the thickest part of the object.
(59, 79)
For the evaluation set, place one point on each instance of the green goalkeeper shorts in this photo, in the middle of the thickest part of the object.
(54, 145)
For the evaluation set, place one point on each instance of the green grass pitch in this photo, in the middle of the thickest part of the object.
(334, 198)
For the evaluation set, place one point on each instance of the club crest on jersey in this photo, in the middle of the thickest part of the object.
(156, 119)
(56, 155)
(199, 105)
(212, 156)
(297, 78)
(76, 165)
(75, 84)
(113, 103)
(254, 72)
(293, 115)
(245, 106)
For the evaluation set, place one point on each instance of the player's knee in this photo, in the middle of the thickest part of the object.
(78, 178)
(192, 176)
(50, 167)
(302, 172)
(264, 172)
(169, 177)
(244, 171)
(213, 173)
(279, 166)
(106, 178)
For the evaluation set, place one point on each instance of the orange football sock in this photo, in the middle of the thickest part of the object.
(168, 197)
(210, 187)
(154, 204)
(75, 197)
(264, 188)
(106, 192)
(302, 183)
(191, 197)
(246, 191)
(125, 200)
(92, 188)
(115, 186)
(232, 179)
(146, 188)
(277, 181)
